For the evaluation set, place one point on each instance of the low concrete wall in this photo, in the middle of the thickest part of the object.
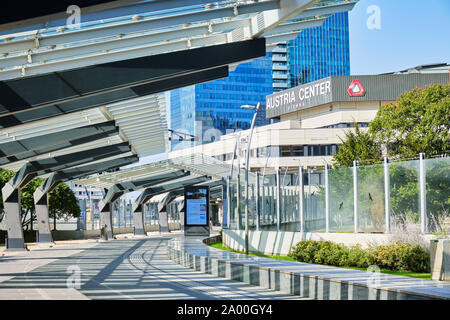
(317, 287)
(279, 242)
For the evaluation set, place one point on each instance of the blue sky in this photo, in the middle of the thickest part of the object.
(412, 32)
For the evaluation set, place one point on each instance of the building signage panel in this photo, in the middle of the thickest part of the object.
(300, 97)
(385, 87)
(197, 203)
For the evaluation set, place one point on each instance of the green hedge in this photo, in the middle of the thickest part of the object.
(397, 256)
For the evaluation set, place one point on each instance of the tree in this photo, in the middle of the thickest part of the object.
(419, 121)
(357, 145)
(62, 203)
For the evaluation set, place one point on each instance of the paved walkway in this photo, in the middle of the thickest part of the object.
(136, 268)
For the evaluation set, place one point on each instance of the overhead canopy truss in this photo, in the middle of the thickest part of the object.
(196, 164)
(153, 27)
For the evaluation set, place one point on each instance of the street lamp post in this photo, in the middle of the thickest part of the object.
(246, 168)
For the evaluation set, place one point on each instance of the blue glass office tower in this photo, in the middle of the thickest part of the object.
(211, 109)
(320, 52)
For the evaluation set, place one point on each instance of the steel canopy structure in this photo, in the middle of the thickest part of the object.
(202, 170)
(80, 99)
(196, 164)
(154, 27)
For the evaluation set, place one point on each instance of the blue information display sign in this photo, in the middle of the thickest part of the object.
(196, 206)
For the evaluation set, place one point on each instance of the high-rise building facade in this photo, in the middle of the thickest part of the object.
(320, 52)
(212, 109)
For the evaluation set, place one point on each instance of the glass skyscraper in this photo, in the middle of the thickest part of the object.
(211, 109)
(320, 52)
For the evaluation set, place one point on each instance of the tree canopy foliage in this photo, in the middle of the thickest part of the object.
(418, 122)
(357, 145)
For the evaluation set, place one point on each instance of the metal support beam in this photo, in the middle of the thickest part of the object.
(112, 76)
(11, 190)
(11, 205)
(167, 187)
(26, 148)
(102, 99)
(41, 194)
(139, 225)
(118, 190)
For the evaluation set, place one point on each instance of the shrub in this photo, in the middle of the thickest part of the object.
(320, 252)
(401, 256)
(358, 257)
(397, 256)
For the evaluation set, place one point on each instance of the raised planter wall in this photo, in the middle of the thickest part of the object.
(279, 242)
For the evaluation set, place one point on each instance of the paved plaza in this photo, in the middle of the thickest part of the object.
(126, 268)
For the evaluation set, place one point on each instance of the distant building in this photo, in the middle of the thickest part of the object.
(314, 116)
(212, 109)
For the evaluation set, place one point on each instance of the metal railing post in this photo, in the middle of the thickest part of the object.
(228, 213)
(387, 196)
(422, 188)
(278, 199)
(258, 215)
(238, 200)
(327, 199)
(355, 195)
(301, 194)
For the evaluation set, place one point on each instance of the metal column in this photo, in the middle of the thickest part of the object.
(238, 200)
(387, 196)
(327, 199)
(301, 193)
(422, 188)
(257, 202)
(355, 195)
(278, 199)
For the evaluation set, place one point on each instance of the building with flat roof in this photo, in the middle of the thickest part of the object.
(313, 117)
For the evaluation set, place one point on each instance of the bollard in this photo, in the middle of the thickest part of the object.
(104, 233)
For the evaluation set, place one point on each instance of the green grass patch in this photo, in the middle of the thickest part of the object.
(219, 245)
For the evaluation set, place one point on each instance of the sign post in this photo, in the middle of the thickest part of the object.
(196, 213)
